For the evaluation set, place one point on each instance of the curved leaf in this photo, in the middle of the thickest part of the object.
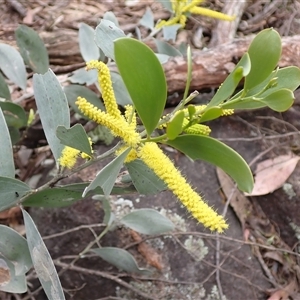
(11, 191)
(147, 221)
(264, 52)
(144, 179)
(87, 46)
(217, 153)
(14, 114)
(32, 49)
(53, 108)
(146, 84)
(280, 100)
(4, 90)
(7, 166)
(12, 65)
(42, 261)
(121, 259)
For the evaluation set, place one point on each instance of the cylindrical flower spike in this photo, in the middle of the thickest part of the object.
(163, 167)
(119, 127)
(105, 83)
(68, 157)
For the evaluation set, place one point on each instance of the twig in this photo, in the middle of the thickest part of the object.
(104, 275)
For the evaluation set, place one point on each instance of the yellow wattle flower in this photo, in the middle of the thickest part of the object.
(68, 157)
(211, 13)
(198, 129)
(227, 112)
(105, 83)
(86, 156)
(130, 116)
(163, 167)
(131, 156)
(118, 127)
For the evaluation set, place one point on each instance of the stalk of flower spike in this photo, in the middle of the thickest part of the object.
(68, 157)
(105, 83)
(118, 127)
(163, 167)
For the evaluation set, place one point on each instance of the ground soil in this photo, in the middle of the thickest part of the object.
(236, 264)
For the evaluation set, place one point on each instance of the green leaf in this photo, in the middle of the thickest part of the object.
(147, 19)
(280, 100)
(11, 192)
(121, 259)
(170, 32)
(4, 90)
(14, 135)
(121, 93)
(75, 137)
(53, 108)
(146, 84)
(228, 87)
(9, 281)
(82, 76)
(109, 216)
(174, 127)
(73, 91)
(264, 52)
(106, 33)
(144, 179)
(15, 248)
(147, 221)
(53, 197)
(211, 113)
(32, 49)
(42, 261)
(216, 153)
(7, 166)
(167, 4)
(165, 48)
(12, 65)
(87, 46)
(14, 114)
(106, 178)
(246, 103)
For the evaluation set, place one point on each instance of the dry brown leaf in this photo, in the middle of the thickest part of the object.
(284, 293)
(4, 273)
(271, 174)
(240, 204)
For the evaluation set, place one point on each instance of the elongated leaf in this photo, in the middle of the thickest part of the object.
(165, 48)
(87, 46)
(42, 261)
(9, 281)
(4, 90)
(32, 49)
(53, 108)
(121, 93)
(73, 91)
(12, 65)
(14, 114)
(118, 189)
(147, 84)
(106, 32)
(211, 113)
(11, 192)
(144, 179)
(175, 126)
(82, 76)
(147, 221)
(74, 137)
(121, 259)
(217, 153)
(15, 248)
(106, 178)
(227, 88)
(7, 167)
(264, 52)
(247, 103)
(109, 15)
(55, 197)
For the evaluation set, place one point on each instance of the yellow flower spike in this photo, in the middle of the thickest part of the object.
(130, 116)
(190, 5)
(227, 112)
(163, 167)
(131, 156)
(198, 129)
(118, 127)
(68, 157)
(211, 13)
(105, 83)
